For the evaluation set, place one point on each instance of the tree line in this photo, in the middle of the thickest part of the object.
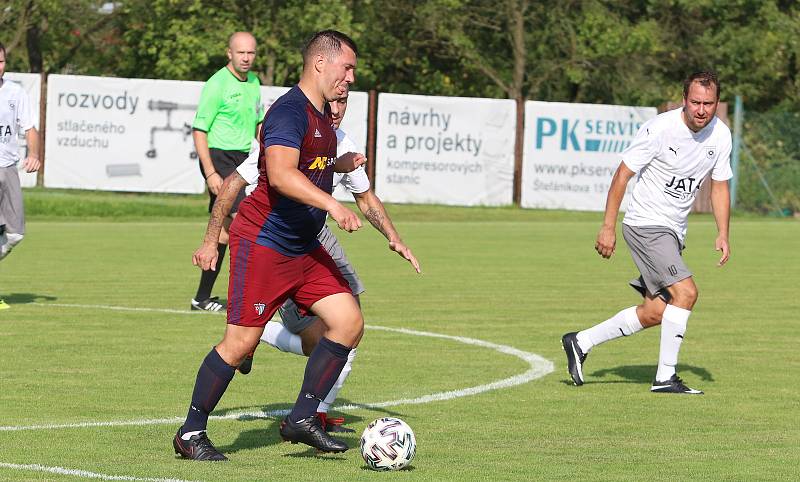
(629, 52)
(633, 52)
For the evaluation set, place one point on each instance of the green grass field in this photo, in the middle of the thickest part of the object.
(72, 356)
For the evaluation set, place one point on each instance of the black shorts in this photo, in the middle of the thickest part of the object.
(225, 163)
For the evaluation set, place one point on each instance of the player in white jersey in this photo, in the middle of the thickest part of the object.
(673, 154)
(300, 334)
(15, 119)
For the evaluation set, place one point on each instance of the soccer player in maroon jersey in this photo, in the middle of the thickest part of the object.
(275, 253)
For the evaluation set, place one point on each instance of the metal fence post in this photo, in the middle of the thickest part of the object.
(738, 114)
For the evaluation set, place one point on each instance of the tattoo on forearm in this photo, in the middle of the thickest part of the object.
(218, 213)
(377, 219)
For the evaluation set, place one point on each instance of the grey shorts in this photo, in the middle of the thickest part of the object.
(656, 251)
(289, 312)
(12, 213)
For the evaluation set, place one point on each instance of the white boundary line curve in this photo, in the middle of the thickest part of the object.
(82, 473)
(538, 368)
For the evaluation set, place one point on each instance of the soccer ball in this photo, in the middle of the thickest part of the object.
(388, 444)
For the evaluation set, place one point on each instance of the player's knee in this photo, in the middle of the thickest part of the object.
(353, 329)
(234, 349)
(651, 319)
(685, 296)
(650, 315)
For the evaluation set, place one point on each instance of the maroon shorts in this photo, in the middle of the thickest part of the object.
(261, 279)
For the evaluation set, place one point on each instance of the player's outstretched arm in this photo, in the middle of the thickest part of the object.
(607, 237)
(376, 214)
(213, 178)
(349, 161)
(284, 176)
(206, 255)
(32, 163)
(721, 204)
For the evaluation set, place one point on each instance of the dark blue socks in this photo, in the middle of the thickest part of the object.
(212, 381)
(323, 368)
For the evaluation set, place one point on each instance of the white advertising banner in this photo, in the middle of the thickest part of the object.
(122, 134)
(445, 150)
(572, 151)
(355, 125)
(32, 84)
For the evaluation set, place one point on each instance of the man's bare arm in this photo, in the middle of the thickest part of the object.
(721, 205)
(206, 256)
(32, 162)
(376, 214)
(607, 237)
(283, 175)
(213, 178)
(349, 161)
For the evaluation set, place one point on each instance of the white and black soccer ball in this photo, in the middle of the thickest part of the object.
(388, 444)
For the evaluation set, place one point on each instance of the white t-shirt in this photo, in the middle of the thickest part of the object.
(672, 161)
(355, 181)
(15, 119)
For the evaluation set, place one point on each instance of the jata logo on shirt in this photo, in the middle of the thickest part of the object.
(682, 188)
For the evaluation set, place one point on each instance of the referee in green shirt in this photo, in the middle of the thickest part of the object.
(228, 117)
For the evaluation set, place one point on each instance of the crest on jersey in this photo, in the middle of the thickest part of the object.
(316, 133)
(259, 308)
(710, 152)
(12, 104)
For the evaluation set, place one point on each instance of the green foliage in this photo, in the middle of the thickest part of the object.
(772, 140)
(622, 52)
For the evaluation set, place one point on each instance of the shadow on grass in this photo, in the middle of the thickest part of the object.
(409, 468)
(644, 374)
(25, 298)
(266, 433)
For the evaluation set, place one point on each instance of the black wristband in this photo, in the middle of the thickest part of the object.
(210, 175)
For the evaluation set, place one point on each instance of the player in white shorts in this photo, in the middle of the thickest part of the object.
(299, 334)
(15, 119)
(673, 154)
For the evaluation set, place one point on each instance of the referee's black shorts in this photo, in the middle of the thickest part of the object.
(225, 162)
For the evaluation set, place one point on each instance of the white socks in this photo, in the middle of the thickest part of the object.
(11, 240)
(277, 335)
(673, 327)
(624, 323)
(189, 435)
(326, 404)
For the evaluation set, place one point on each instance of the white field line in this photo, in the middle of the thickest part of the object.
(538, 368)
(129, 308)
(81, 473)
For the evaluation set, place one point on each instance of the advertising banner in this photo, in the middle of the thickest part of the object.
(32, 84)
(445, 150)
(136, 134)
(122, 134)
(572, 151)
(355, 125)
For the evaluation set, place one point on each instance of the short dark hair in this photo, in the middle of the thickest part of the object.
(327, 42)
(3, 48)
(705, 78)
